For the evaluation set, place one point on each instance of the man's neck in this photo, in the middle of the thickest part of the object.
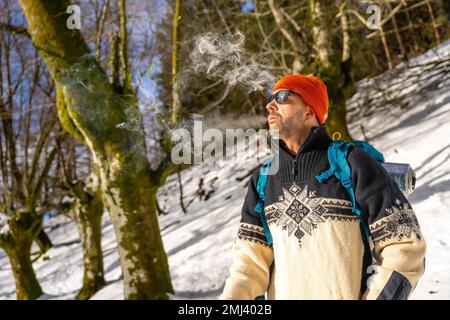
(294, 144)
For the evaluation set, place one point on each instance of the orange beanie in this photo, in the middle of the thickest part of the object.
(311, 89)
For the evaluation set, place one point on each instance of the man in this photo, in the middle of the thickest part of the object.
(318, 249)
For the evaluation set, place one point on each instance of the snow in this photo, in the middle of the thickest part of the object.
(4, 226)
(418, 134)
(412, 127)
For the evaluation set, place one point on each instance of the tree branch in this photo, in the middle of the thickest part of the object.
(15, 29)
(125, 70)
(48, 162)
(281, 23)
(100, 26)
(40, 146)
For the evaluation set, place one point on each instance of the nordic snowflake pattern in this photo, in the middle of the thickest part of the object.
(399, 224)
(299, 211)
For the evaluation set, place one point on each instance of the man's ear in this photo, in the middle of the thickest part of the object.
(311, 116)
(309, 113)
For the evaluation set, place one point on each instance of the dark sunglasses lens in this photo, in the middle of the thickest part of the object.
(281, 96)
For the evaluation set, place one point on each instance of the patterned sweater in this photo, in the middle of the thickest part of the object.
(319, 250)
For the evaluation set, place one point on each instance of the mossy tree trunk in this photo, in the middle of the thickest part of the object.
(335, 71)
(23, 229)
(43, 241)
(176, 108)
(87, 210)
(111, 127)
(337, 115)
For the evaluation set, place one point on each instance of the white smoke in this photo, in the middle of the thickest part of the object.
(223, 57)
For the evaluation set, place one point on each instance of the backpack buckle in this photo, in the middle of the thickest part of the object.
(346, 183)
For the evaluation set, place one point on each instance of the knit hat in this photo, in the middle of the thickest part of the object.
(311, 89)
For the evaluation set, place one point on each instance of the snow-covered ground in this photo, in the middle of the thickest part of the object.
(413, 126)
(417, 133)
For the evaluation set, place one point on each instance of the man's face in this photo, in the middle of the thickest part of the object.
(290, 118)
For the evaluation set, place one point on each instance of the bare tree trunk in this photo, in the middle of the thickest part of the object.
(433, 22)
(43, 241)
(158, 208)
(397, 34)
(27, 286)
(23, 181)
(386, 48)
(330, 68)
(114, 63)
(410, 25)
(88, 211)
(181, 190)
(176, 108)
(446, 7)
(297, 48)
(125, 69)
(111, 127)
(100, 26)
(17, 245)
(320, 33)
(345, 25)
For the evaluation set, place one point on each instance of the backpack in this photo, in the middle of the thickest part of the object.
(339, 167)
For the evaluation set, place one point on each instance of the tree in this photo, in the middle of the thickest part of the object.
(288, 36)
(26, 157)
(334, 63)
(110, 124)
(195, 90)
(85, 207)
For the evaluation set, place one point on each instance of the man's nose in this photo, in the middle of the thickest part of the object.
(272, 106)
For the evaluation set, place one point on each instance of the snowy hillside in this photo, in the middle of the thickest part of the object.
(413, 126)
(409, 123)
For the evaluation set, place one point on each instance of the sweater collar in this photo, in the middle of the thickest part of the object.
(318, 139)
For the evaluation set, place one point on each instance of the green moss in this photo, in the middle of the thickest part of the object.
(17, 245)
(64, 118)
(59, 46)
(340, 86)
(88, 211)
(149, 271)
(110, 124)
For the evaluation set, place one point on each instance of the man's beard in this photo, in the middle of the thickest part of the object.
(289, 128)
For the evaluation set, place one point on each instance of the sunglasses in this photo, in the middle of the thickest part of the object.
(281, 96)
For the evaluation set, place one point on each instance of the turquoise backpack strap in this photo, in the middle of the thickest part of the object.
(339, 167)
(369, 149)
(261, 190)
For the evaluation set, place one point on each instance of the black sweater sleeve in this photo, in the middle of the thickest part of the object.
(393, 226)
